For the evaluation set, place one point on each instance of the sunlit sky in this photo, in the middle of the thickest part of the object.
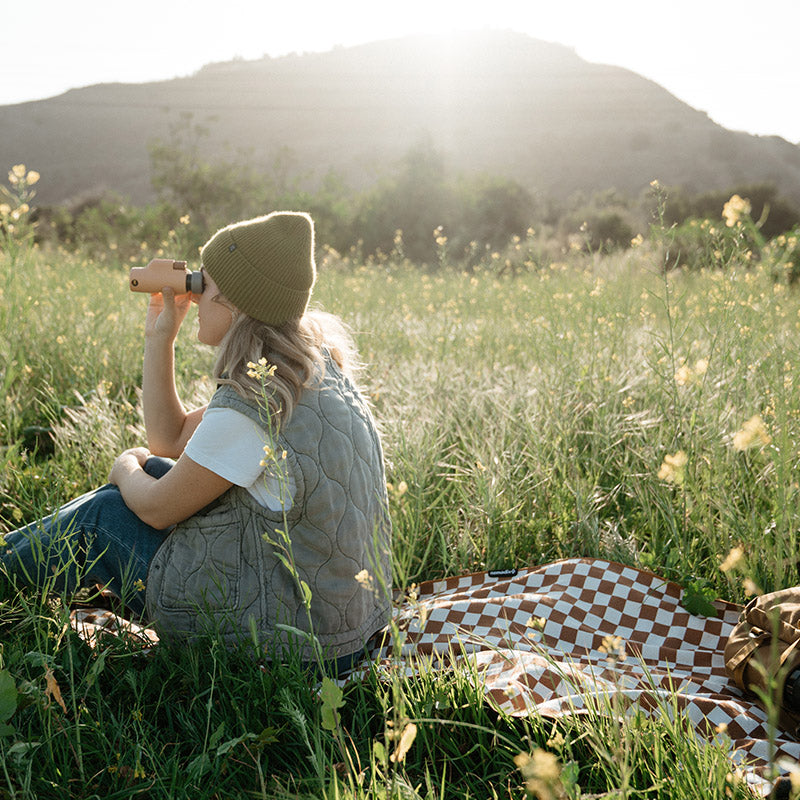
(737, 60)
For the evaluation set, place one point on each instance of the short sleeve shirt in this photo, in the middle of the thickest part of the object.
(233, 446)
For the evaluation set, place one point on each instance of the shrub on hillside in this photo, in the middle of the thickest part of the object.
(605, 222)
(775, 214)
(706, 244)
(490, 212)
(104, 226)
(476, 214)
(782, 254)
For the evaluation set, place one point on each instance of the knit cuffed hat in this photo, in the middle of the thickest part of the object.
(265, 266)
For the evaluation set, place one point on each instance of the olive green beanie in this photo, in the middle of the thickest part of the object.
(265, 266)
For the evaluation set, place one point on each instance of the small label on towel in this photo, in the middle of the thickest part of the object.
(502, 573)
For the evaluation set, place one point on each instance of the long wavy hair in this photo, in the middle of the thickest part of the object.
(296, 349)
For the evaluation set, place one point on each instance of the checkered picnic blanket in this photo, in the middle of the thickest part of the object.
(548, 641)
(544, 641)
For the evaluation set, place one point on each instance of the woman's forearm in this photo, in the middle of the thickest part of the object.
(164, 414)
(162, 502)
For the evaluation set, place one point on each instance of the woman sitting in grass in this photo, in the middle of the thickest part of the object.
(276, 500)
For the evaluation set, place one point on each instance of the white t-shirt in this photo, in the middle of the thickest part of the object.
(231, 445)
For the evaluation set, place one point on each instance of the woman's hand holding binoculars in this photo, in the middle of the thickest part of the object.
(165, 313)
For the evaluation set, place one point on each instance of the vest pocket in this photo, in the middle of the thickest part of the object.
(198, 568)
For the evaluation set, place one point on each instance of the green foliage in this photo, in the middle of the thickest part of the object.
(215, 189)
(332, 700)
(703, 244)
(415, 201)
(418, 200)
(698, 598)
(779, 215)
(108, 228)
(603, 223)
(8, 702)
(475, 214)
(783, 256)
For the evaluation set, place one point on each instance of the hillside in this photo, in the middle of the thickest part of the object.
(494, 102)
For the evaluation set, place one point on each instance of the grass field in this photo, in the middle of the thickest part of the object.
(598, 406)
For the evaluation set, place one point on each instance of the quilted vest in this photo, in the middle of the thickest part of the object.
(223, 571)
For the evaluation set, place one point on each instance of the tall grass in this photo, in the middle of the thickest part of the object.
(587, 408)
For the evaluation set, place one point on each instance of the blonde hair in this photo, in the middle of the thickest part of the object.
(296, 349)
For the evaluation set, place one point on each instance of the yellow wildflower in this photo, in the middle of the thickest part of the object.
(541, 772)
(403, 746)
(269, 456)
(753, 432)
(557, 741)
(262, 370)
(16, 174)
(672, 468)
(33, 177)
(613, 647)
(735, 209)
(364, 579)
(750, 588)
(732, 560)
(397, 491)
(683, 375)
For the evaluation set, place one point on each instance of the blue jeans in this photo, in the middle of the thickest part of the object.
(93, 539)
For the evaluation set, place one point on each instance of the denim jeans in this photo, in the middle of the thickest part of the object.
(93, 539)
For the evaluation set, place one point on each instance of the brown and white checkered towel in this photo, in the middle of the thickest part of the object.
(544, 641)
(547, 640)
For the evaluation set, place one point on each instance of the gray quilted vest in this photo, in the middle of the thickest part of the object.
(220, 570)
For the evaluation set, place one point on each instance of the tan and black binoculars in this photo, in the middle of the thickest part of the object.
(161, 272)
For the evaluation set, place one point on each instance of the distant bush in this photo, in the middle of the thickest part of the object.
(492, 212)
(213, 191)
(733, 239)
(475, 214)
(604, 222)
(415, 199)
(775, 214)
(782, 254)
(104, 225)
(707, 244)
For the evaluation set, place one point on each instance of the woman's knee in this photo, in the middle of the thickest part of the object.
(158, 467)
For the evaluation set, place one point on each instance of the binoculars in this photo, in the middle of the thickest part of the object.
(161, 272)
